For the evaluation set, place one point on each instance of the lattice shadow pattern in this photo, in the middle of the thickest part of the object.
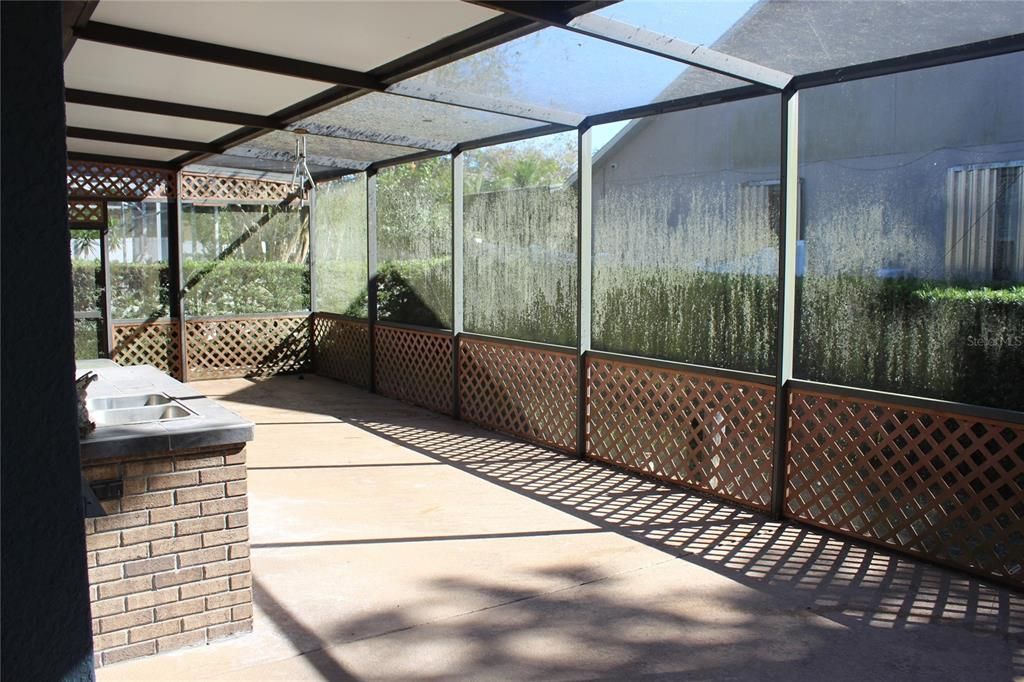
(852, 584)
(341, 348)
(947, 487)
(247, 346)
(125, 183)
(415, 366)
(527, 392)
(199, 188)
(704, 432)
(148, 343)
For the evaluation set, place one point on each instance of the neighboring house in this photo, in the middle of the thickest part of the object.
(918, 174)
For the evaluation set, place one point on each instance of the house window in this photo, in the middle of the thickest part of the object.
(761, 201)
(760, 205)
(984, 214)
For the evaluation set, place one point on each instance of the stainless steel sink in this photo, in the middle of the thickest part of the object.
(121, 401)
(135, 409)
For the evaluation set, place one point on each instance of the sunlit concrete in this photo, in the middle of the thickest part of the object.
(391, 543)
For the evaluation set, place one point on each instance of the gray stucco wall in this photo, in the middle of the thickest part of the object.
(874, 155)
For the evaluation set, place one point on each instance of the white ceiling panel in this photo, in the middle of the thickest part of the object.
(357, 35)
(132, 151)
(119, 120)
(136, 73)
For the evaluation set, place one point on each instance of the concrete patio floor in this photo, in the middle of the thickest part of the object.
(392, 543)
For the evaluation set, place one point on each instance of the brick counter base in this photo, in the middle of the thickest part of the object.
(169, 564)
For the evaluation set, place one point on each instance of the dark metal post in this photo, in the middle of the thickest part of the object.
(108, 324)
(789, 205)
(175, 266)
(371, 271)
(584, 282)
(458, 282)
(310, 210)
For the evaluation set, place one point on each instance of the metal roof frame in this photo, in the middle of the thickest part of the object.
(517, 19)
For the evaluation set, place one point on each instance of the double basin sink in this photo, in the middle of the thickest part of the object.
(135, 409)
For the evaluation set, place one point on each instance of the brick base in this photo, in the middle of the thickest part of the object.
(169, 564)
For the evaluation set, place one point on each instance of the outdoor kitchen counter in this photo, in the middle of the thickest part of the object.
(210, 426)
(168, 552)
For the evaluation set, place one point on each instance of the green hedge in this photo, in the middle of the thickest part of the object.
(961, 343)
(237, 287)
(229, 287)
(410, 291)
(341, 287)
(714, 319)
(86, 285)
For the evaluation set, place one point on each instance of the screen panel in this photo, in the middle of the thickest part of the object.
(914, 240)
(561, 77)
(520, 236)
(243, 259)
(340, 235)
(398, 120)
(321, 150)
(685, 219)
(138, 253)
(414, 243)
(804, 36)
(87, 293)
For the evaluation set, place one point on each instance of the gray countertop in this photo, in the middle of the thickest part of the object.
(211, 424)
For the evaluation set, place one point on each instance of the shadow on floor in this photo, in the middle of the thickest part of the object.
(878, 598)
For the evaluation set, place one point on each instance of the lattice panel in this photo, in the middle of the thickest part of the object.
(415, 366)
(342, 348)
(705, 432)
(247, 346)
(87, 180)
(947, 487)
(89, 214)
(148, 343)
(525, 391)
(199, 188)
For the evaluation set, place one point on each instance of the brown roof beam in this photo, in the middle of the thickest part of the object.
(152, 106)
(221, 54)
(142, 140)
(122, 161)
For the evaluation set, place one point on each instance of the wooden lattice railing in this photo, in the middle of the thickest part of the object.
(148, 343)
(199, 188)
(414, 365)
(87, 214)
(522, 390)
(944, 486)
(247, 346)
(341, 348)
(705, 432)
(89, 180)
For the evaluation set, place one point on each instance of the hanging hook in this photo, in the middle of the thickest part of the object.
(302, 178)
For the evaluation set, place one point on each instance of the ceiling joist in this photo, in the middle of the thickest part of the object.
(122, 161)
(142, 140)
(221, 54)
(160, 108)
